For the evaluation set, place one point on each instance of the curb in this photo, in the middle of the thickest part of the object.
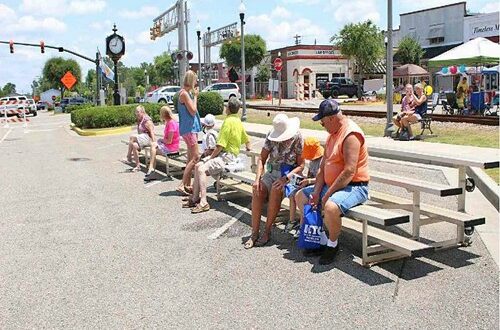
(101, 131)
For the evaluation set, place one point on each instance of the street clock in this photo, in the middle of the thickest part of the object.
(115, 46)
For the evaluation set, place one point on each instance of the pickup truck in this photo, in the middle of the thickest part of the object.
(340, 86)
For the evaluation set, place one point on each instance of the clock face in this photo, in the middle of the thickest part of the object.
(115, 45)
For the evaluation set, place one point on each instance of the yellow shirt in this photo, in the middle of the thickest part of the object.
(232, 135)
(464, 85)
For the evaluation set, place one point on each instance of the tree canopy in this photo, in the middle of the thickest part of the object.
(55, 68)
(7, 89)
(409, 51)
(255, 50)
(363, 42)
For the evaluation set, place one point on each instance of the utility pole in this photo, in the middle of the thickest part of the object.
(297, 39)
(388, 84)
(182, 39)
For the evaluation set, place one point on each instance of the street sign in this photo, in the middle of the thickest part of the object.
(278, 64)
(68, 80)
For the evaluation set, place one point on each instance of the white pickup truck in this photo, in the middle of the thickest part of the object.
(14, 105)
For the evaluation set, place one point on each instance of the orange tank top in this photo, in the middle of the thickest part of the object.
(334, 156)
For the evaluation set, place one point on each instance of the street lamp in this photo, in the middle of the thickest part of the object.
(389, 128)
(243, 80)
(198, 33)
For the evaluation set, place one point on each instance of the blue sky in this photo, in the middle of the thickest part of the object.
(82, 26)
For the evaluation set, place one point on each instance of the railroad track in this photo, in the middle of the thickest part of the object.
(480, 120)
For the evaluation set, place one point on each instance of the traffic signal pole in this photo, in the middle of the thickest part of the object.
(42, 46)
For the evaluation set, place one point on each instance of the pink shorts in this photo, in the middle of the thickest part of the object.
(191, 139)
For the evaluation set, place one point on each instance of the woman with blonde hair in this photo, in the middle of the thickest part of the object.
(169, 143)
(418, 110)
(189, 126)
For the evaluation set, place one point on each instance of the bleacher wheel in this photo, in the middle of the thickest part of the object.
(468, 231)
(470, 184)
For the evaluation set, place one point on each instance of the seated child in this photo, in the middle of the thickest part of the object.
(313, 152)
(209, 141)
(169, 143)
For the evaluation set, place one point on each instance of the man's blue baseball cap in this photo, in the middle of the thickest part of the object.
(328, 107)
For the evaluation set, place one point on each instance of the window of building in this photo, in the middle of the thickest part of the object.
(436, 40)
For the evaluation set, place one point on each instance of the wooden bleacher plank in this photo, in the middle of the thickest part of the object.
(414, 184)
(372, 214)
(395, 242)
(451, 216)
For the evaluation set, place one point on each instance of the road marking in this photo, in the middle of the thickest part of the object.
(6, 134)
(39, 130)
(148, 185)
(231, 222)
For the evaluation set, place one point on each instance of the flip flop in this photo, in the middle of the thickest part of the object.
(127, 162)
(200, 209)
(250, 243)
(188, 205)
(135, 169)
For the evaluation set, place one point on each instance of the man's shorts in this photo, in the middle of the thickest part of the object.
(215, 166)
(191, 139)
(268, 179)
(345, 198)
(143, 140)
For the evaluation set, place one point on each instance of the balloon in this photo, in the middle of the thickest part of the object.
(428, 90)
(453, 69)
(444, 70)
(462, 68)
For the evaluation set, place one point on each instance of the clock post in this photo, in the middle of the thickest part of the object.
(115, 48)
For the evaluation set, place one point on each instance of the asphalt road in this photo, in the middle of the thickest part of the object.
(86, 244)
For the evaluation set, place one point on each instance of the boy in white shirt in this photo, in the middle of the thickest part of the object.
(209, 141)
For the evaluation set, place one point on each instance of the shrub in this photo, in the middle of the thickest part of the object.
(111, 116)
(130, 100)
(208, 102)
(73, 107)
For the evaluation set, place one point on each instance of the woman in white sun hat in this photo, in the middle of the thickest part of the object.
(283, 153)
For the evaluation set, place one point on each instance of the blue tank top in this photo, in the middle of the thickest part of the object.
(421, 109)
(187, 122)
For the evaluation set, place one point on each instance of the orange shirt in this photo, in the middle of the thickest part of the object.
(334, 156)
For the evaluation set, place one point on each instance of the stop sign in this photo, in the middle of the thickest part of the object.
(278, 64)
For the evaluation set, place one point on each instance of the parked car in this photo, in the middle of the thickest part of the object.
(340, 86)
(32, 107)
(42, 105)
(226, 90)
(163, 94)
(71, 101)
(16, 106)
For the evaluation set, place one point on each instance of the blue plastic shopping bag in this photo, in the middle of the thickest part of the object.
(311, 230)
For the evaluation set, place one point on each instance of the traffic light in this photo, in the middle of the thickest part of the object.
(42, 46)
(11, 45)
(152, 34)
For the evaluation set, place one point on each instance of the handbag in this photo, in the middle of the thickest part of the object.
(311, 231)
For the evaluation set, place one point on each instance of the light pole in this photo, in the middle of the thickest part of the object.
(198, 33)
(146, 83)
(243, 79)
(388, 68)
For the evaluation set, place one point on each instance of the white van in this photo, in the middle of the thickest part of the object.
(226, 90)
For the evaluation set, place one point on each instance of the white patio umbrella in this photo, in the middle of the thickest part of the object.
(478, 51)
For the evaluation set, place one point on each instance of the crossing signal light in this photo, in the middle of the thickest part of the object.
(189, 56)
(11, 45)
(42, 46)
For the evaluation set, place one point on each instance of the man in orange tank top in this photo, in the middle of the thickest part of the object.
(342, 180)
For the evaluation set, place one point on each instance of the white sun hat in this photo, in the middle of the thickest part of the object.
(284, 128)
(209, 120)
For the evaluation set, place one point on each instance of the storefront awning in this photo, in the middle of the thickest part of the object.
(436, 32)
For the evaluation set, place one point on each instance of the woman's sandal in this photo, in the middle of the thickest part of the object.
(201, 209)
(188, 204)
(182, 190)
(135, 169)
(250, 243)
(261, 243)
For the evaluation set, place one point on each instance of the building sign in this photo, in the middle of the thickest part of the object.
(315, 52)
(486, 25)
